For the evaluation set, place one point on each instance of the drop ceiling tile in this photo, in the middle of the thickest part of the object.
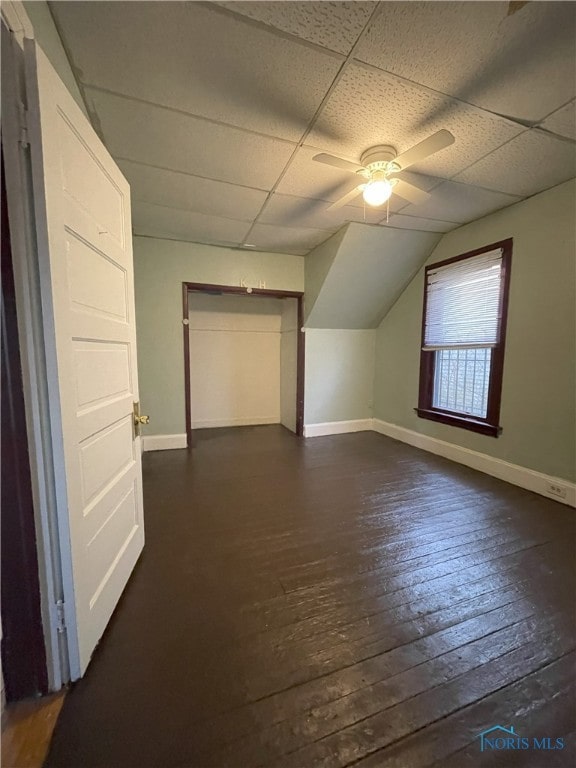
(179, 190)
(399, 221)
(530, 163)
(563, 121)
(520, 65)
(370, 107)
(296, 240)
(289, 211)
(196, 59)
(307, 178)
(157, 221)
(167, 139)
(332, 25)
(460, 203)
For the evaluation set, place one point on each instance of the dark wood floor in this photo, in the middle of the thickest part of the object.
(339, 601)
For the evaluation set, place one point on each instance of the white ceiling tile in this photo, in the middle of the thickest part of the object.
(205, 180)
(179, 190)
(399, 221)
(528, 164)
(333, 25)
(157, 221)
(168, 139)
(198, 60)
(307, 178)
(289, 211)
(267, 237)
(459, 203)
(370, 107)
(520, 65)
(563, 121)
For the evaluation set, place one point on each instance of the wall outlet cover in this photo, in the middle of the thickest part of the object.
(554, 489)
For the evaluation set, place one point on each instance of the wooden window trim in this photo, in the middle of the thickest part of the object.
(491, 424)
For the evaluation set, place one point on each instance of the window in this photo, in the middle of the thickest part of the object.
(463, 332)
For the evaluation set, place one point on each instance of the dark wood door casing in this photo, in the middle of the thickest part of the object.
(23, 650)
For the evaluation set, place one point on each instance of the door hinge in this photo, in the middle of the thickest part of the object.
(23, 114)
(60, 616)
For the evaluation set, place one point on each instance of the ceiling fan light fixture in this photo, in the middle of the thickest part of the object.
(376, 192)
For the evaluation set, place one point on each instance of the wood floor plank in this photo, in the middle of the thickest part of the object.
(397, 592)
(27, 728)
(301, 698)
(374, 732)
(287, 607)
(374, 696)
(323, 602)
(539, 704)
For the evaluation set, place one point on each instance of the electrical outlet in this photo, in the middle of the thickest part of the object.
(556, 490)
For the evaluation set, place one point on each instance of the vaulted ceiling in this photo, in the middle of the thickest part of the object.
(214, 110)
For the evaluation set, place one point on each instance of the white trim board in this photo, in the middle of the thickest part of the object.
(31, 339)
(235, 422)
(504, 470)
(337, 427)
(163, 442)
(17, 20)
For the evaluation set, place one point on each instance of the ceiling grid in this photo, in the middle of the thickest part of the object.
(215, 120)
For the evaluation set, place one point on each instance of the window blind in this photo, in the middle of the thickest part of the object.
(463, 302)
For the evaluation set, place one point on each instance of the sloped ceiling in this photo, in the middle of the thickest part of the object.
(214, 110)
(354, 278)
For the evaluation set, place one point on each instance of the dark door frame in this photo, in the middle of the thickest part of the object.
(188, 288)
(23, 649)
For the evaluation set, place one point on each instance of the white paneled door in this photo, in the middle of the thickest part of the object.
(82, 211)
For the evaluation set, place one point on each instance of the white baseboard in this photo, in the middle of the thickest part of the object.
(215, 423)
(337, 427)
(163, 442)
(511, 473)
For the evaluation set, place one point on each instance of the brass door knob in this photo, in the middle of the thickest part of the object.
(138, 420)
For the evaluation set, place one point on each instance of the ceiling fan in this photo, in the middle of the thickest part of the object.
(380, 166)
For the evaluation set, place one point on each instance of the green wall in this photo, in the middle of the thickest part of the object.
(317, 265)
(160, 268)
(339, 375)
(352, 281)
(539, 388)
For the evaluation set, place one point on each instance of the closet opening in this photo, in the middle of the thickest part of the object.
(243, 357)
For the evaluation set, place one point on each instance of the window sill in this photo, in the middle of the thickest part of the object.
(453, 420)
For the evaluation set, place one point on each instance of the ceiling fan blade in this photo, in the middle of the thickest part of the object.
(410, 192)
(348, 197)
(338, 162)
(424, 149)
